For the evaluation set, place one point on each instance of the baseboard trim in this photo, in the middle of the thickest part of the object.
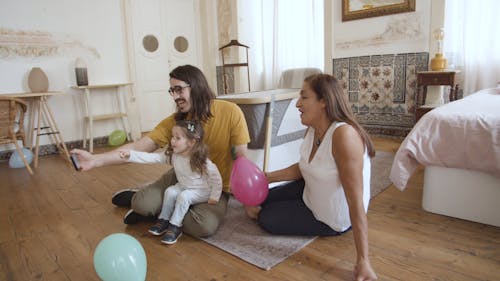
(392, 132)
(49, 149)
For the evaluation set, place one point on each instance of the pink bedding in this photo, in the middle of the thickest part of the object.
(462, 134)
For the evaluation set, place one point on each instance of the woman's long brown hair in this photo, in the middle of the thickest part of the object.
(338, 108)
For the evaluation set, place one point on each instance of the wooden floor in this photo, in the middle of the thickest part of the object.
(51, 223)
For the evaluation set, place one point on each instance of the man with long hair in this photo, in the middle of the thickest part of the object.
(225, 130)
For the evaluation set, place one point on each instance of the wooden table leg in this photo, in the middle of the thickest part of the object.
(122, 107)
(90, 120)
(23, 158)
(54, 129)
(39, 117)
(269, 131)
(31, 122)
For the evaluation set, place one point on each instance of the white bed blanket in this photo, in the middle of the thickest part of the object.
(463, 134)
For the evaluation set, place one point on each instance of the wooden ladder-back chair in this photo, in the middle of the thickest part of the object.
(12, 112)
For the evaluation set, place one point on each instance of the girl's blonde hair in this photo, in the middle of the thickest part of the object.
(199, 153)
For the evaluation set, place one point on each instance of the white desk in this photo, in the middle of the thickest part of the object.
(38, 106)
(268, 98)
(121, 90)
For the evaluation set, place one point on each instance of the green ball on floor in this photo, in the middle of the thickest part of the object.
(117, 137)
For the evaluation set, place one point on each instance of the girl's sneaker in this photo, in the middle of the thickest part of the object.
(173, 233)
(160, 227)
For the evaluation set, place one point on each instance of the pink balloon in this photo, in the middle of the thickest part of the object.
(248, 183)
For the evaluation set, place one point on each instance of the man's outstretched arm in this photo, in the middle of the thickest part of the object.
(89, 161)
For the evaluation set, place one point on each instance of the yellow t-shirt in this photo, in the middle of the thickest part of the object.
(226, 128)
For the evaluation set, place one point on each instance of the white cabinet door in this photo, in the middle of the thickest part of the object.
(157, 27)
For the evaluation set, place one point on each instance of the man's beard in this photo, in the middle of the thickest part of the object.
(182, 104)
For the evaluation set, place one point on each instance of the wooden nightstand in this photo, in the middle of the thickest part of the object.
(433, 78)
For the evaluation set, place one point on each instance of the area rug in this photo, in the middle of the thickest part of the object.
(242, 237)
(381, 168)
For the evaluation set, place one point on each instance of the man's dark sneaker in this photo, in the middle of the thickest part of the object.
(173, 233)
(132, 217)
(123, 198)
(159, 228)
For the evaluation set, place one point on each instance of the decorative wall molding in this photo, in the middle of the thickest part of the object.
(36, 43)
(50, 149)
(399, 29)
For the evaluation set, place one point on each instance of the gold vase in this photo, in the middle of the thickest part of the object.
(439, 63)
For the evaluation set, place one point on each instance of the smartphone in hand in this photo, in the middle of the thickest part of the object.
(75, 162)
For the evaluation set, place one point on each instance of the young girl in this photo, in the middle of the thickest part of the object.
(198, 178)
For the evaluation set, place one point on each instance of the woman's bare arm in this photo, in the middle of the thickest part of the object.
(348, 150)
(287, 174)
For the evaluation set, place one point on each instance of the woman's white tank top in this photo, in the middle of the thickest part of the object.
(323, 191)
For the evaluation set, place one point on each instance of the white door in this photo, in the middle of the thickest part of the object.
(163, 35)
(183, 36)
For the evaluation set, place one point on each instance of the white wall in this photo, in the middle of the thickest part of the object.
(391, 34)
(86, 28)
(90, 29)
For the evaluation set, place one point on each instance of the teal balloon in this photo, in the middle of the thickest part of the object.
(16, 160)
(117, 137)
(120, 257)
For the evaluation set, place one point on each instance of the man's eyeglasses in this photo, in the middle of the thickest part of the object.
(177, 89)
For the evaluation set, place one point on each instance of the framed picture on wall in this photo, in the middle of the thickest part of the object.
(360, 9)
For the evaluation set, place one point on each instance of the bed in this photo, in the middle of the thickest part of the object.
(274, 125)
(459, 145)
